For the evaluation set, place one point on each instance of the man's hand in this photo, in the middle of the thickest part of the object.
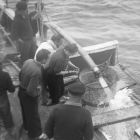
(62, 73)
(20, 41)
(97, 74)
(103, 104)
(77, 70)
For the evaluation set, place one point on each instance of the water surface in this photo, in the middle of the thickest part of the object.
(97, 21)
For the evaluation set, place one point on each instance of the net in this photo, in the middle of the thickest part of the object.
(94, 91)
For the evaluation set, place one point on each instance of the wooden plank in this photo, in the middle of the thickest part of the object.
(136, 96)
(136, 100)
(98, 135)
(137, 131)
(116, 116)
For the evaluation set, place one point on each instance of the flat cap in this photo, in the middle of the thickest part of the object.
(77, 88)
(21, 5)
(72, 48)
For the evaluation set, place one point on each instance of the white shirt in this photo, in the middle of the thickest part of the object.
(49, 45)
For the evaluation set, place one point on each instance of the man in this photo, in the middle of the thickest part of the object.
(29, 91)
(22, 32)
(70, 121)
(5, 112)
(53, 74)
(51, 45)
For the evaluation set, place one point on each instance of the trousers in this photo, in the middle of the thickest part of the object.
(6, 116)
(30, 114)
(56, 86)
(27, 49)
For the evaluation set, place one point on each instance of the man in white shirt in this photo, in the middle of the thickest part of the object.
(51, 45)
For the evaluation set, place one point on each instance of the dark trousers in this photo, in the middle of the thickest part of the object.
(27, 50)
(30, 114)
(6, 116)
(56, 87)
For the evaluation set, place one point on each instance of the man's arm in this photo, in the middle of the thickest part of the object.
(33, 86)
(72, 65)
(55, 65)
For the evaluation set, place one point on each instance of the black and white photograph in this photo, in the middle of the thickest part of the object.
(69, 69)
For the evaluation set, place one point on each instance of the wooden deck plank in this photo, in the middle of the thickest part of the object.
(116, 116)
(98, 135)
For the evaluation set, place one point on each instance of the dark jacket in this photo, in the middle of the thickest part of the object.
(21, 27)
(34, 22)
(5, 85)
(69, 122)
(31, 77)
(58, 62)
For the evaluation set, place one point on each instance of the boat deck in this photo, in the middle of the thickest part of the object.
(107, 120)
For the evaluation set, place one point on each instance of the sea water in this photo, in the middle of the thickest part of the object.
(97, 21)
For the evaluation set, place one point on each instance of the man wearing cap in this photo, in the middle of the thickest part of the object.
(70, 121)
(6, 85)
(22, 32)
(53, 74)
(30, 87)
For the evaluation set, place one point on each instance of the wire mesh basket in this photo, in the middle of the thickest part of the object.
(94, 92)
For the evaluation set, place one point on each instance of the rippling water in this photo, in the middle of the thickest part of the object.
(98, 21)
(93, 21)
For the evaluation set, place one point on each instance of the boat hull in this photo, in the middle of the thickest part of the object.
(98, 57)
